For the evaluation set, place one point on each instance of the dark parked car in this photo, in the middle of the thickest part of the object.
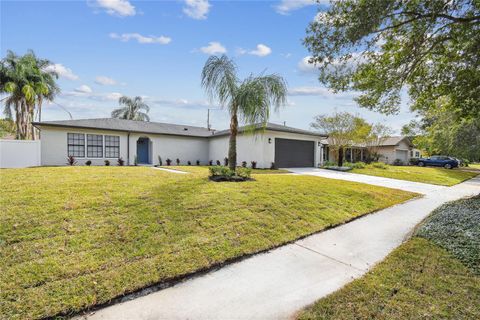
(438, 161)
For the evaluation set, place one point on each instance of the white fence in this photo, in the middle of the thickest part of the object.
(19, 153)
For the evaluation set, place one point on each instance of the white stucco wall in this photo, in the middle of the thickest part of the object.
(19, 153)
(257, 148)
(54, 147)
(172, 147)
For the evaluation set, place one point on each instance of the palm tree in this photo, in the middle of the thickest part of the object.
(250, 99)
(27, 83)
(132, 109)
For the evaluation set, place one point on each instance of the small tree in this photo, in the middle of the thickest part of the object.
(377, 135)
(343, 129)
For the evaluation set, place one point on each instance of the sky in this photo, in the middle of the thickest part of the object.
(103, 49)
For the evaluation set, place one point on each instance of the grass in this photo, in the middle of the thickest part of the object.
(74, 237)
(439, 176)
(432, 276)
(199, 169)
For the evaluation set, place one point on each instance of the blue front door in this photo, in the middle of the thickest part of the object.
(142, 150)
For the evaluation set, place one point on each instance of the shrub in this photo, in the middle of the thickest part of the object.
(272, 166)
(413, 161)
(160, 162)
(107, 162)
(358, 165)
(254, 164)
(168, 161)
(120, 161)
(347, 164)
(464, 162)
(189, 162)
(88, 162)
(210, 163)
(379, 165)
(398, 162)
(244, 172)
(329, 164)
(71, 161)
(198, 162)
(221, 171)
(225, 162)
(178, 161)
(244, 164)
(218, 163)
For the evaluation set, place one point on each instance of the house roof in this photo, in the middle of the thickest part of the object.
(159, 128)
(393, 141)
(273, 127)
(130, 126)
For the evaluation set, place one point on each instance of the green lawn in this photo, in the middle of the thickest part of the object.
(73, 237)
(440, 176)
(435, 275)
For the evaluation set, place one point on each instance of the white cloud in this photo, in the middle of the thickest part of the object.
(305, 66)
(112, 96)
(309, 91)
(213, 48)
(105, 81)
(125, 37)
(197, 9)
(122, 8)
(84, 89)
(261, 50)
(286, 6)
(62, 71)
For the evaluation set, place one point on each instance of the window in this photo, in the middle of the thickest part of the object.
(76, 144)
(112, 146)
(94, 146)
(417, 154)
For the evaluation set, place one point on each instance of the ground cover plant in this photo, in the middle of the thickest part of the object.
(434, 275)
(74, 237)
(439, 176)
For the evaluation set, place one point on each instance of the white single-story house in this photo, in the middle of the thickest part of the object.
(98, 140)
(391, 149)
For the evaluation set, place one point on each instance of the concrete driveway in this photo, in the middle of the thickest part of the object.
(417, 187)
(279, 283)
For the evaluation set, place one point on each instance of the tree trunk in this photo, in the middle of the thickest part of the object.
(232, 148)
(340, 157)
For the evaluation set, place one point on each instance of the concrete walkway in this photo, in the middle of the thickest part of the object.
(170, 170)
(279, 283)
(418, 187)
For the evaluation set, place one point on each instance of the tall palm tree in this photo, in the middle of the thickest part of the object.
(132, 109)
(250, 99)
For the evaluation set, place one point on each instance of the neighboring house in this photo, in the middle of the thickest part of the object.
(98, 140)
(391, 149)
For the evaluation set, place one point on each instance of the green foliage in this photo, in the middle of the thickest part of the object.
(455, 227)
(359, 165)
(7, 127)
(243, 172)
(442, 131)
(344, 129)
(379, 165)
(221, 171)
(381, 47)
(132, 109)
(27, 81)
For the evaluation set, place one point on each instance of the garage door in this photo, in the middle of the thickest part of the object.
(294, 153)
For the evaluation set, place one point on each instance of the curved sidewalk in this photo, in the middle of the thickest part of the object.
(279, 283)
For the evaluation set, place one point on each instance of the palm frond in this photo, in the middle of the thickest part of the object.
(219, 79)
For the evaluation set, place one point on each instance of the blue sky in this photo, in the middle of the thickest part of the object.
(156, 49)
